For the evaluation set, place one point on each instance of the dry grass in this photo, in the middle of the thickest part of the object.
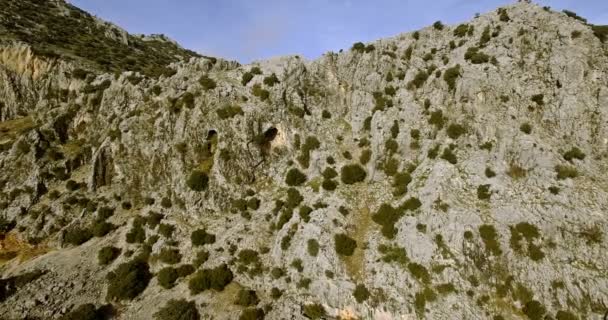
(12, 247)
(516, 172)
(10, 129)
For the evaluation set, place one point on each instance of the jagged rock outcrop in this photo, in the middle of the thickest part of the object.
(456, 172)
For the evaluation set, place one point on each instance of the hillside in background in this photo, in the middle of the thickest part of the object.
(454, 172)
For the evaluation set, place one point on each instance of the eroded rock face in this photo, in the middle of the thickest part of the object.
(479, 190)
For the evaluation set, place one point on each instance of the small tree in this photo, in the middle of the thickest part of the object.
(200, 237)
(295, 177)
(128, 280)
(178, 310)
(345, 245)
(166, 277)
(108, 254)
(352, 173)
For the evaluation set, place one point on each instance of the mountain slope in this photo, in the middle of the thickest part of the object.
(456, 172)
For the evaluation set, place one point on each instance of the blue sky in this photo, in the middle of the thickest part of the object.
(247, 30)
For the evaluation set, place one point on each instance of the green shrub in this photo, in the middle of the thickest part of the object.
(419, 79)
(490, 239)
(490, 173)
(207, 83)
(246, 298)
(201, 257)
(534, 310)
(253, 203)
(390, 90)
(178, 310)
(252, 314)
(461, 30)
(421, 298)
(344, 245)
(259, 92)
(329, 173)
(314, 311)
(526, 128)
(601, 32)
(217, 279)
(483, 192)
(312, 247)
(271, 80)
(246, 78)
(572, 14)
(107, 254)
(565, 172)
(170, 255)
(502, 15)
(365, 157)
(400, 182)
(387, 216)
(229, 111)
(166, 277)
(294, 198)
(86, 311)
(198, 181)
(352, 173)
(437, 119)
(565, 315)
(419, 272)
(166, 230)
(185, 270)
(295, 177)
(446, 288)
(538, 99)
(297, 264)
(101, 228)
(361, 293)
(248, 256)
(574, 153)
(128, 280)
(329, 185)
(77, 235)
(438, 25)
(358, 46)
(451, 75)
(166, 203)
(393, 254)
(448, 156)
(454, 130)
(200, 237)
(476, 56)
(137, 234)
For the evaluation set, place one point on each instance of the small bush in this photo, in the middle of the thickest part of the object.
(490, 173)
(314, 311)
(387, 216)
(352, 173)
(198, 181)
(565, 172)
(166, 277)
(166, 230)
(461, 30)
(476, 56)
(419, 272)
(454, 131)
(77, 235)
(271, 80)
(601, 32)
(246, 78)
(437, 119)
(170, 255)
(448, 156)
(107, 254)
(490, 239)
(101, 228)
(361, 293)
(178, 310)
(344, 245)
(252, 314)
(534, 310)
(207, 83)
(201, 257)
(438, 25)
(419, 79)
(86, 311)
(358, 46)
(451, 75)
(217, 279)
(246, 298)
(503, 15)
(229, 111)
(259, 92)
(483, 192)
(574, 153)
(200, 237)
(572, 14)
(329, 185)
(538, 99)
(128, 280)
(312, 247)
(565, 315)
(295, 177)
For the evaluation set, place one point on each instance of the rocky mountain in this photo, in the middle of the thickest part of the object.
(455, 172)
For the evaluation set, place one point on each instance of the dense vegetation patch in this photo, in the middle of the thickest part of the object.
(128, 280)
